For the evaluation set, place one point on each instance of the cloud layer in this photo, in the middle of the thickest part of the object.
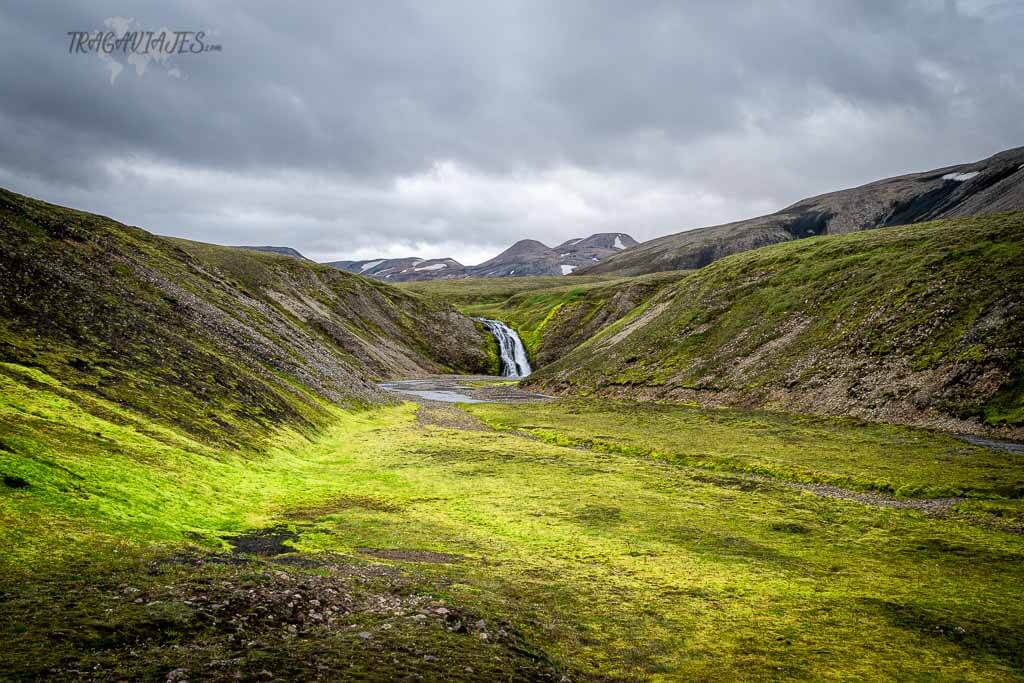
(455, 128)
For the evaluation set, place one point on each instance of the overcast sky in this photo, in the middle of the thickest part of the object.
(357, 130)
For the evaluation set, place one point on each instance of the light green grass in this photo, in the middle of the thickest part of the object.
(615, 564)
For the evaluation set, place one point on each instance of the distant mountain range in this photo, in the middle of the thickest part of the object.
(989, 186)
(525, 257)
(993, 185)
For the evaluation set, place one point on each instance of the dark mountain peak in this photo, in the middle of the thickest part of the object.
(527, 245)
(519, 250)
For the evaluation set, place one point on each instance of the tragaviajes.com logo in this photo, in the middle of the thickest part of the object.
(125, 43)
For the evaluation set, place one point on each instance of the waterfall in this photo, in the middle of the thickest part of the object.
(513, 354)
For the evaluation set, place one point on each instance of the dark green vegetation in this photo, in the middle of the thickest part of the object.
(920, 324)
(225, 344)
(551, 314)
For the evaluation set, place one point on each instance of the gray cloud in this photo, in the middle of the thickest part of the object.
(458, 127)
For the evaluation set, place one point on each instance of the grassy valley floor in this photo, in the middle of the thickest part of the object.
(592, 540)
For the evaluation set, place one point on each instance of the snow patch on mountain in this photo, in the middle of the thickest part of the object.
(372, 264)
(960, 177)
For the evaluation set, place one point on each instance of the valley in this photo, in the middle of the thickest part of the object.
(529, 342)
(578, 538)
(227, 464)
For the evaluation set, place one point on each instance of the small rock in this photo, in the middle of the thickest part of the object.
(480, 625)
(365, 635)
(429, 658)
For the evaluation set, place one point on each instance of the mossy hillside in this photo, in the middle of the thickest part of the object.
(607, 564)
(493, 351)
(223, 343)
(95, 471)
(552, 315)
(920, 324)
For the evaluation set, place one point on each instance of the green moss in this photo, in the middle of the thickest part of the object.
(493, 365)
(607, 562)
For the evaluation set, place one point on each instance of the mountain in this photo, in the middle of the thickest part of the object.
(284, 251)
(404, 269)
(524, 258)
(222, 343)
(920, 324)
(991, 185)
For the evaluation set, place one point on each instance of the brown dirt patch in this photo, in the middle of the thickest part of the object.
(449, 417)
(342, 503)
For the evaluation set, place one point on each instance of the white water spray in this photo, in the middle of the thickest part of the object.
(513, 354)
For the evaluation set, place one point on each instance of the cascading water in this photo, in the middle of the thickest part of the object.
(513, 354)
